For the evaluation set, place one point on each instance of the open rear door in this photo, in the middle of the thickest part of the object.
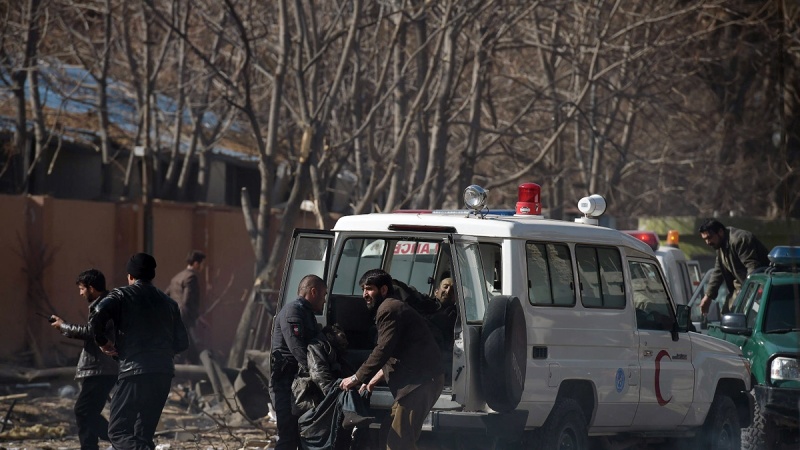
(490, 348)
(472, 297)
(309, 253)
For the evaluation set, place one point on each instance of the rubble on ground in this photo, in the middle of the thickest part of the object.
(209, 407)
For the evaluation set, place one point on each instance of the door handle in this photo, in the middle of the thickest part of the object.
(648, 353)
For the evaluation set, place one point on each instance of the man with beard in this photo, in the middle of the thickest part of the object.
(738, 254)
(402, 357)
(96, 371)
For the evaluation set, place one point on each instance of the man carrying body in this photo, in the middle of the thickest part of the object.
(149, 333)
(738, 254)
(96, 371)
(184, 288)
(293, 329)
(402, 357)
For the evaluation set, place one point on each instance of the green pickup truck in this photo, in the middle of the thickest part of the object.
(764, 324)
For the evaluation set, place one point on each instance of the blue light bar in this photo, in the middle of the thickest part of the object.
(785, 255)
(464, 212)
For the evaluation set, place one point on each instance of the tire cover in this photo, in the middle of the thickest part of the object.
(503, 353)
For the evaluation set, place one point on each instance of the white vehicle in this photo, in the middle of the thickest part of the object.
(682, 274)
(567, 332)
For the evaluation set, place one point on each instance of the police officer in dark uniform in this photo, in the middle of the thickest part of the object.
(294, 327)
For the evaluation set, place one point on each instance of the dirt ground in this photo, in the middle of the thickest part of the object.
(43, 420)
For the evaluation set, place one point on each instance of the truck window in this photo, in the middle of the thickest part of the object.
(412, 262)
(473, 282)
(358, 256)
(491, 255)
(309, 258)
(653, 309)
(550, 278)
(600, 275)
(781, 313)
(750, 303)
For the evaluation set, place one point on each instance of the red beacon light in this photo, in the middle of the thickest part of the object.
(529, 199)
(648, 237)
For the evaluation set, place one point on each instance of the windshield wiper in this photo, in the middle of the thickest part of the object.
(782, 330)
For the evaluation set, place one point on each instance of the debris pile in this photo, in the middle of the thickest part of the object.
(209, 407)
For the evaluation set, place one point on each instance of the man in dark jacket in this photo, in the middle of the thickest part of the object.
(293, 328)
(184, 288)
(738, 254)
(148, 334)
(404, 356)
(96, 371)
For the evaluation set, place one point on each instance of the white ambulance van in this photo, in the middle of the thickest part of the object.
(567, 335)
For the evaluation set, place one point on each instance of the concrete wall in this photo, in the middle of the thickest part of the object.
(46, 242)
(13, 285)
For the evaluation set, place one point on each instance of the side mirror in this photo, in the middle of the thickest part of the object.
(735, 323)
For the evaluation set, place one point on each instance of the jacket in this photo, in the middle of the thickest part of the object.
(149, 331)
(326, 364)
(405, 350)
(294, 327)
(740, 255)
(93, 361)
(184, 288)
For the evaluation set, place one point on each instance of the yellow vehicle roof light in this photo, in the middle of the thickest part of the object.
(673, 238)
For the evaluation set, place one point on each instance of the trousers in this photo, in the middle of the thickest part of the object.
(409, 413)
(88, 409)
(135, 410)
(281, 394)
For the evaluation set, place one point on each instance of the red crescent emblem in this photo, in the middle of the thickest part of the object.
(659, 397)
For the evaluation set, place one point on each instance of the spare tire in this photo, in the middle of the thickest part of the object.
(504, 346)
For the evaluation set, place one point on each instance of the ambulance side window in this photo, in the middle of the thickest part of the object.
(492, 257)
(600, 275)
(653, 309)
(550, 278)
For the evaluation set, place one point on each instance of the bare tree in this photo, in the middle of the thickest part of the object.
(18, 59)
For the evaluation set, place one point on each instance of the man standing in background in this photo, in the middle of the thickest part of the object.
(96, 371)
(184, 288)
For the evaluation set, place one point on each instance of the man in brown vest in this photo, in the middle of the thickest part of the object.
(184, 288)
